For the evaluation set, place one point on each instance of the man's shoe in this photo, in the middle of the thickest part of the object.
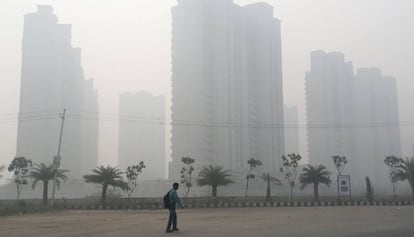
(175, 229)
(168, 231)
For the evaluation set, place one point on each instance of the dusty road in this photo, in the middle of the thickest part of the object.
(243, 222)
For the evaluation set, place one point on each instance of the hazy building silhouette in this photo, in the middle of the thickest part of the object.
(292, 143)
(351, 115)
(376, 119)
(52, 79)
(142, 133)
(227, 100)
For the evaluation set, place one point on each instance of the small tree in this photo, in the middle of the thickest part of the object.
(186, 173)
(132, 174)
(20, 166)
(289, 169)
(340, 163)
(214, 176)
(370, 190)
(253, 163)
(270, 180)
(392, 163)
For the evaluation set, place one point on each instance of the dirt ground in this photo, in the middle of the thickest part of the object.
(240, 222)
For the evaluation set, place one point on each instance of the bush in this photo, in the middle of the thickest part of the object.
(22, 210)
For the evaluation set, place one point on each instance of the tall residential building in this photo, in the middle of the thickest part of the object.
(52, 79)
(351, 115)
(328, 105)
(376, 132)
(292, 143)
(142, 133)
(227, 99)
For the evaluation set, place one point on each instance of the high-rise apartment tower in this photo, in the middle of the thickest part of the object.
(227, 99)
(52, 79)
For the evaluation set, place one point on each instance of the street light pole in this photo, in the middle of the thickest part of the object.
(56, 159)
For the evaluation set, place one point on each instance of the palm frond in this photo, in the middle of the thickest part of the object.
(214, 175)
(106, 176)
(315, 174)
(44, 173)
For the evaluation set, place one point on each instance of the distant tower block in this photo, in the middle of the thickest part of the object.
(351, 115)
(142, 133)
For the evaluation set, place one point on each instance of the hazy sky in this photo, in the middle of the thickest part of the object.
(126, 47)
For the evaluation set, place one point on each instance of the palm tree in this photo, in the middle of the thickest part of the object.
(44, 173)
(315, 175)
(214, 176)
(406, 172)
(269, 180)
(106, 176)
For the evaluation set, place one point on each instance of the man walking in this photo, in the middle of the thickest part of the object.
(173, 200)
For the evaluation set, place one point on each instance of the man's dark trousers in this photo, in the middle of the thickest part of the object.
(172, 219)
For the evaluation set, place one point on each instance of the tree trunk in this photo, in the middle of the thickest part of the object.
(247, 187)
(412, 188)
(337, 186)
(291, 193)
(45, 192)
(188, 191)
(394, 187)
(268, 193)
(315, 192)
(129, 200)
(214, 191)
(103, 198)
(18, 192)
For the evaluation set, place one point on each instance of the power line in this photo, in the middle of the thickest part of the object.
(15, 120)
(85, 115)
(28, 112)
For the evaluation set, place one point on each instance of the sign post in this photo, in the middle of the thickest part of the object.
(344, 186)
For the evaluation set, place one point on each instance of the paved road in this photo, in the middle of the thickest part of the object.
(237, 222)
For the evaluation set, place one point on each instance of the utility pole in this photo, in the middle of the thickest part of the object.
(56, 159)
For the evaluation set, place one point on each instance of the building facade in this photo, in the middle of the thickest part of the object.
(52, 80)
(227, 99)
(292, 141)
(142, 133)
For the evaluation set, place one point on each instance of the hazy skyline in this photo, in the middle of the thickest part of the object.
(126, 47)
